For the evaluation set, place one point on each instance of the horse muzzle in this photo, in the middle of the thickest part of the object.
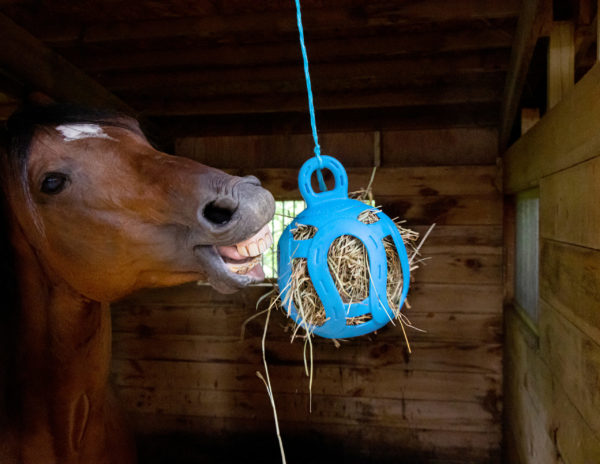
(235, 233)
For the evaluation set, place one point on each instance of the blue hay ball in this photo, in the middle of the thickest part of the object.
(333, 214)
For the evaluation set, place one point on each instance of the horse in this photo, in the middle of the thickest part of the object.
(94, 212)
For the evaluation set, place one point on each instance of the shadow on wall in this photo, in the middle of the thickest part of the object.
(309, 448)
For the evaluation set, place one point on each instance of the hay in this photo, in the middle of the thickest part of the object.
(349, 266)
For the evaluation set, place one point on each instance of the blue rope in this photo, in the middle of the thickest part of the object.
(311, 107)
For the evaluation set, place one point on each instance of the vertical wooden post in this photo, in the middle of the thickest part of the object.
(561, 61)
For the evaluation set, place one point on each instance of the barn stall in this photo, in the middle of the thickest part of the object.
(481, 117)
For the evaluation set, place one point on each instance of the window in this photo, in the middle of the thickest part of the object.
(285, 212)
(527, 253)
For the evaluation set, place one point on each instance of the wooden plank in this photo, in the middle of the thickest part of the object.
(550, 429)
(574, 359)
(459, 210)
(388, 118)
(526, 401)
(423, 296)
(561, 61)
(565, 136)
(346, 443)
(405, 69)
(25, 57)
(532, 18)
(423, 414)
(276, 151)
(258, 24)
(485, 239)
(227, 321)
(428, 182)
(153, 102)
(477, 269)
(570, 282)
(440, 147)
(569, 207)
(508, 249)
(475, 357)
(327, 49)
(358, 382)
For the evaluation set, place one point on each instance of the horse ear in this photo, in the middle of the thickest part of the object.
(40, 98)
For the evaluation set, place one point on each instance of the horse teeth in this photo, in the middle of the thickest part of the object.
(242, 250)
(269, 239)
(244, 268)
(262, 246)
(253, 249)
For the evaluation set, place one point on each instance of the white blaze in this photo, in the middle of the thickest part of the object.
(71, 132)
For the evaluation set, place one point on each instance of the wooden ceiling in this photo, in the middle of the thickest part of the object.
(232, 66)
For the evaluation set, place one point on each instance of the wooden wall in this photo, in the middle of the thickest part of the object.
(552, 372)
(189, 382)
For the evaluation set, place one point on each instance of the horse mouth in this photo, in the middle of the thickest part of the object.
(233, 267)
(245, 257)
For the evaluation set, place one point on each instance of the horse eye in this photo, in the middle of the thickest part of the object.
(54, 183)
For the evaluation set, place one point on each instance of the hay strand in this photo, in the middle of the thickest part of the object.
(348, 264)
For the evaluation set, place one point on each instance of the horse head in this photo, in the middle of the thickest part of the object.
(108, 214)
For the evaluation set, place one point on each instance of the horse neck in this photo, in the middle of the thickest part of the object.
(63, 355)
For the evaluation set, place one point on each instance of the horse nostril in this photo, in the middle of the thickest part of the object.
(216, 214)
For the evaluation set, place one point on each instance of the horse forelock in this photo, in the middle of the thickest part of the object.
(24, 123)
(22, 127)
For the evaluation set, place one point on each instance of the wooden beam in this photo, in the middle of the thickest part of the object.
(386, 118)
(404, 69)
(159, 105)
(323, 50)
(532, 19)
(39, 68)
(257, 25)
(565, 136)
(561, 61)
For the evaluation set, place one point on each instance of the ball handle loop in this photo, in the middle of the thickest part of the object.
(338, 192)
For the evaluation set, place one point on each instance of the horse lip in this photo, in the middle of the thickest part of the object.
(220, 277)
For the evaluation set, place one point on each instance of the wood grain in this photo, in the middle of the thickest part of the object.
(533, 16)
(570, 282)
(227, 321)
(541, 411)
(561, 61)
(29, 60)
(440, 147)
(569, 205)
(259, 23)
(574, 359)
(439, 415)
(329, 380)
(430, 355)
(565, 136)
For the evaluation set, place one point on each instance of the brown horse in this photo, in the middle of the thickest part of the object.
(95, 212)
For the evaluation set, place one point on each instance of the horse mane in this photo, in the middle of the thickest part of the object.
(16, 137)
